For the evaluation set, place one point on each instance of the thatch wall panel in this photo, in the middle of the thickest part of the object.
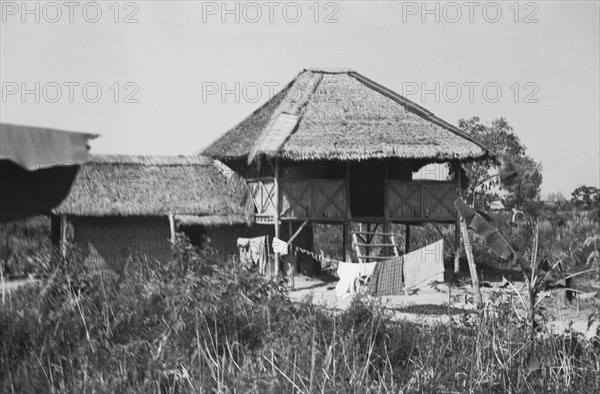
(115, 239)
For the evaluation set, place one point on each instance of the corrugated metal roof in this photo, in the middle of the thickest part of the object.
(34, 148)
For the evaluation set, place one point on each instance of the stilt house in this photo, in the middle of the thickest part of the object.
(336, 147)
(120, 204)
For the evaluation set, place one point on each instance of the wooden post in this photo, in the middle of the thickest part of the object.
(471, 260)
(344, 241)
(348, 222)
(457, 169)
(63, 235)
(386, 223)
(172, 226)
(3, 285)
(277, 218)
(368, 238)
(407, 239)
(457, 246)
(293, 237)
(292, 267)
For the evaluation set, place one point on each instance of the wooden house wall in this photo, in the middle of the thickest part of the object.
(317, 190)
(422, 199)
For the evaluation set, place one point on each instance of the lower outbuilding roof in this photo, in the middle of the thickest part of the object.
(189, 186)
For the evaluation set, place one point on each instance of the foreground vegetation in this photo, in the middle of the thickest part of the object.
(198, 324)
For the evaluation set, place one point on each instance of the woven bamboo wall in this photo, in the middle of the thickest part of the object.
(296, 199)
(426, 199)
(315, 198)
(115, 239)
(305, 195)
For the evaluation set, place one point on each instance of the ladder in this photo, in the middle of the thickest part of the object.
(362, 242)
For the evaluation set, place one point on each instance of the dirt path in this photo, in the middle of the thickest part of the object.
(431, 305)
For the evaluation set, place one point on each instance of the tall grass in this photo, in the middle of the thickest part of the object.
(198, 324)
(25, 247)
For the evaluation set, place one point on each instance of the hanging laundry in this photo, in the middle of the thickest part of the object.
(387, 277)
(424, 265)
(350, 274)
(243, 242)
(280, 246)
(315, 256)
(254, 250)
(245, 255)
(494, 240)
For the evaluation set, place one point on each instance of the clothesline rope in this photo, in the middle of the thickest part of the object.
(284, 248)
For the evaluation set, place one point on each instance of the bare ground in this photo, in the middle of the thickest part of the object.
(431, 304)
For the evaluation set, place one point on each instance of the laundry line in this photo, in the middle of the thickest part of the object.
(283, 248)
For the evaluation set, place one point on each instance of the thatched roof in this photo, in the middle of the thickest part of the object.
(342, 115)
(118, 185)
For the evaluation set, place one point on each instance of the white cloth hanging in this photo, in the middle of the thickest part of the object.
(424, 265)
(349, 274)
(280, 246)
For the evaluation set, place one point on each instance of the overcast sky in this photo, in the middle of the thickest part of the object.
(153, 86)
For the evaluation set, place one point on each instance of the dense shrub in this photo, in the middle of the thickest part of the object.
(25, 247)
(198, 324)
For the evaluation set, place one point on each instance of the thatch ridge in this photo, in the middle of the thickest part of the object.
(238, 141)
(345, 116)
(326, 70)
(273, 138)
(122, 185)
(212, 220)
(151, 160)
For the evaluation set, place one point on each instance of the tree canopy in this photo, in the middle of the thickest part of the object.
(509, 168)
(586, 197)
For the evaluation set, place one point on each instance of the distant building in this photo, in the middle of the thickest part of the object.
(120, 204)
(336, 147)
